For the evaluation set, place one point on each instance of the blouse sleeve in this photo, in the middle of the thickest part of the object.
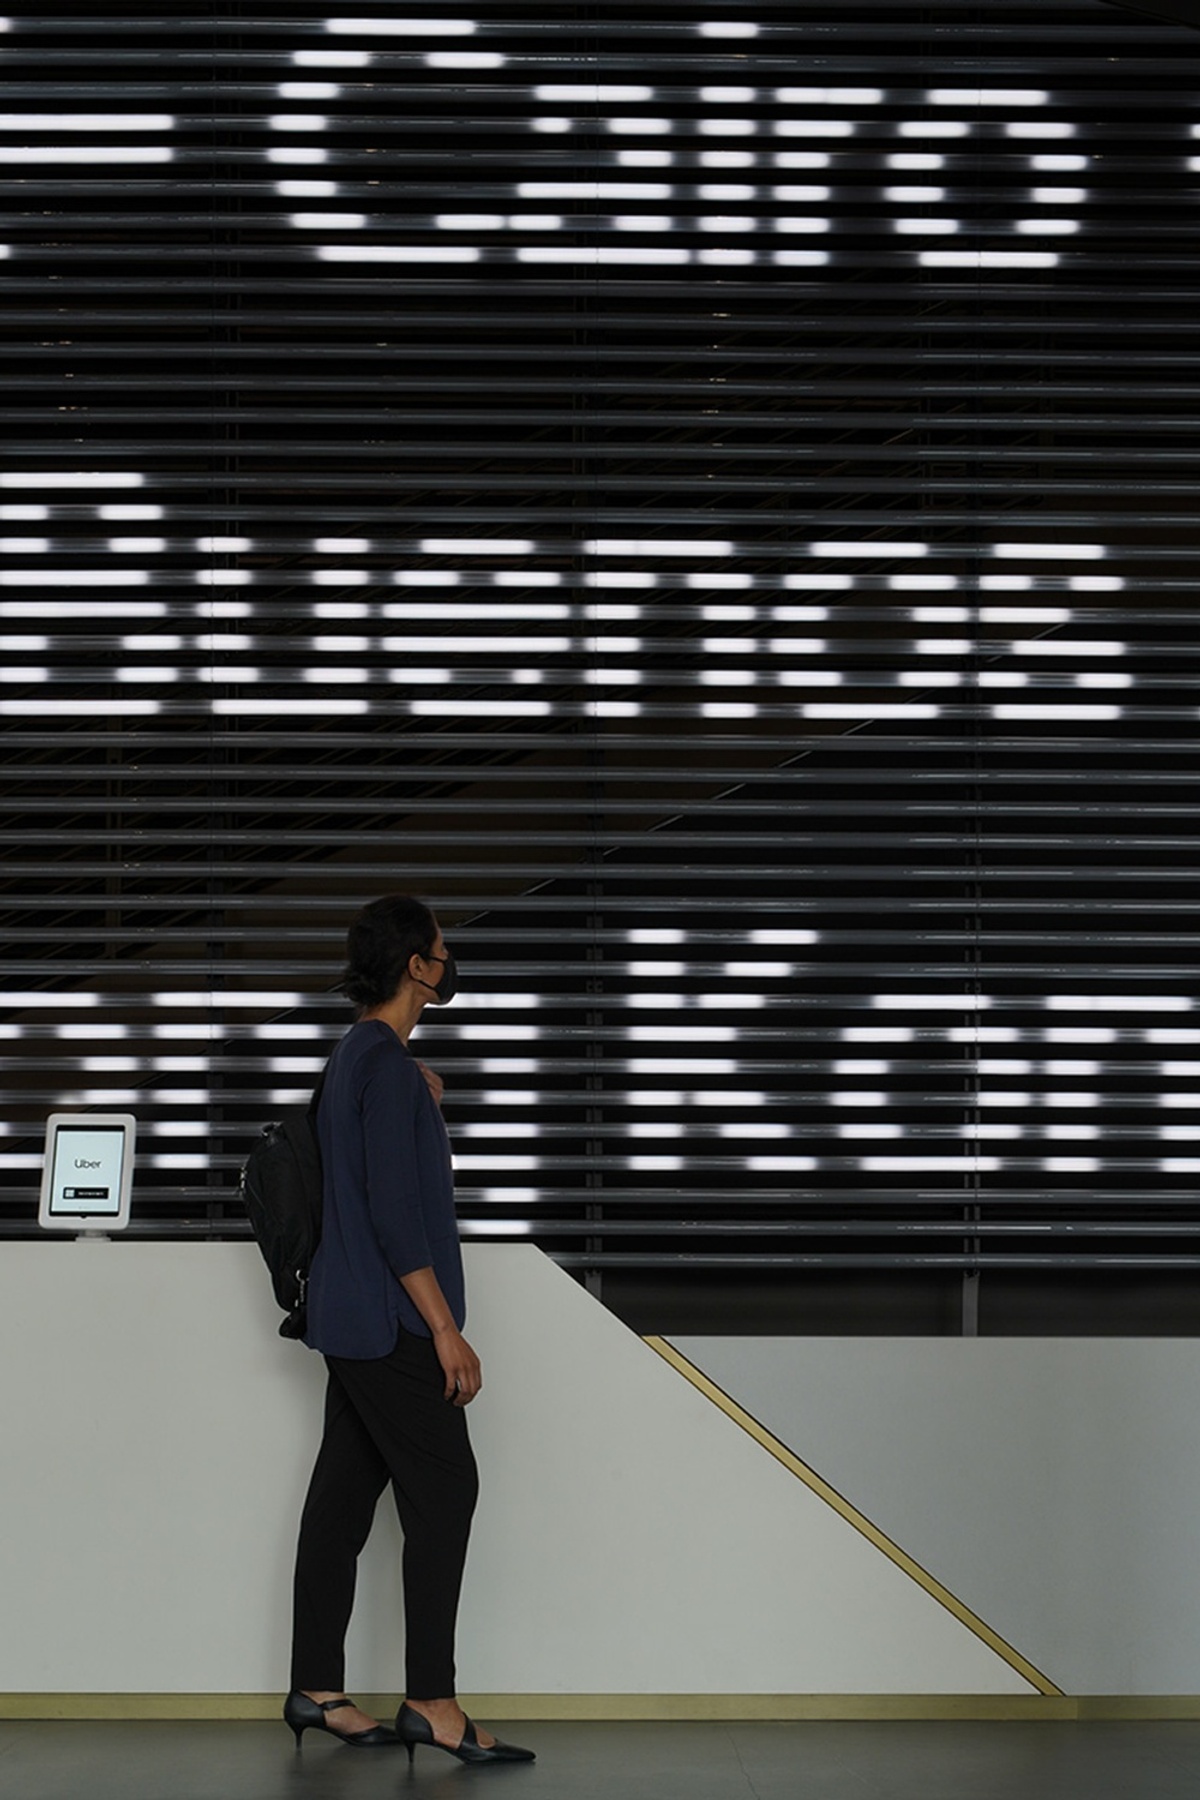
(389, 1100)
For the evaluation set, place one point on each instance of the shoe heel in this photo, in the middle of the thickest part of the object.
(412, 1751)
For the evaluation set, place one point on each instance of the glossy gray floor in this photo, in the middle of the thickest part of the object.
(837, 1761)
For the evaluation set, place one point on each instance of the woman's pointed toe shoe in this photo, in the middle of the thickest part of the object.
(413, 1728)
(301, 1714)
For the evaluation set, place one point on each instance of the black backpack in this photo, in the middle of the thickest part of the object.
(281, 1192)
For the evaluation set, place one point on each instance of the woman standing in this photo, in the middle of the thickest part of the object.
(386, 1308)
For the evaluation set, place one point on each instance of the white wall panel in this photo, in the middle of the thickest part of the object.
(1052, 1484)
(631, 1539)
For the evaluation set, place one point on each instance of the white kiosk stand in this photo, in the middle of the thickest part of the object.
(87, 1173)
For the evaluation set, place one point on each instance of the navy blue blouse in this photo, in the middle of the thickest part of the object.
(389, 1198)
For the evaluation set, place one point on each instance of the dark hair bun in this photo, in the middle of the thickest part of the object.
(382, 939)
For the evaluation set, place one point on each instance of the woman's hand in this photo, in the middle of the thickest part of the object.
(460, 1365)
(433, 1082)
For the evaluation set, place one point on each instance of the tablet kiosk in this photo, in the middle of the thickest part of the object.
(87, 1174)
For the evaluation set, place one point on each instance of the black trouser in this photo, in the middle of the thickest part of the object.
(385, 1419)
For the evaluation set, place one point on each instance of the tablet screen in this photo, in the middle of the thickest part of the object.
(88, 1170)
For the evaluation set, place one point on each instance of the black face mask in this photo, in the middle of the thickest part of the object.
(447, 985)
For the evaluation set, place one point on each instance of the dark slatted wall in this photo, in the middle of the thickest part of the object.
(706, 496)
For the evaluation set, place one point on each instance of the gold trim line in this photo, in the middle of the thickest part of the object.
(824, 1491)
(512, 1708)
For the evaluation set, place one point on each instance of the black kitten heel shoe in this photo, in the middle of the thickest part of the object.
(413, 1728)
(300, 1713)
